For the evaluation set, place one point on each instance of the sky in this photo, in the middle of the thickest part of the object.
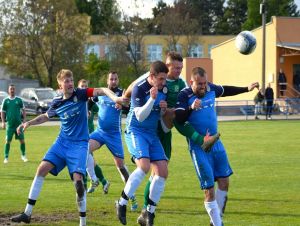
(143, 8)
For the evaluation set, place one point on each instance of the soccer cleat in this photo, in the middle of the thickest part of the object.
(142, 218)
(93, 186)
(106, 187)
(149, 218)
(21, 218)
(134, 204)
(23, 157)
(5, 160)
(209, 141)
(121, 213)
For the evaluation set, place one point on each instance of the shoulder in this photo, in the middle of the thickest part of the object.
(119, 92)
(186, 92)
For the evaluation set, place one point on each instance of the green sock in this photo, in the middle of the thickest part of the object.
(85, 181)
(22, 148)
(6, 150)
(146, 194)
(99, 174)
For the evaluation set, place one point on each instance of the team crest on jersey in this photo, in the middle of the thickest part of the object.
(75, 99)
(165, 90)
(176, 88)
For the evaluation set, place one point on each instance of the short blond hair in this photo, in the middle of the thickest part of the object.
(64, 73)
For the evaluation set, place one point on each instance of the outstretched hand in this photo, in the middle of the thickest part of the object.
(253, 85)
(21, 128)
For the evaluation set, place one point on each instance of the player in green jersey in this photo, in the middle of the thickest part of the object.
(12, 111)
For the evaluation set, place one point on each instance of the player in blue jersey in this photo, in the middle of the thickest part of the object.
(148, 104)
(71, 146)
(108, 131)
(196, 105)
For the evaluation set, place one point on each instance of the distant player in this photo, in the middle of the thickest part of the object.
(95, 173)
(12, 111)
(197, 106)
(147, 105)
(71, 146)
(109, 129)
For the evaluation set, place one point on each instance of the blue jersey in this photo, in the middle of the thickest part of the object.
(140, 95)
(73, 115)
(204, 119)
(109, 117)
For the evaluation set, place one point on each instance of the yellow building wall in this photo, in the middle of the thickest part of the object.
(233, 68)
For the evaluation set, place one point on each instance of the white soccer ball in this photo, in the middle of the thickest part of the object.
(245, 42)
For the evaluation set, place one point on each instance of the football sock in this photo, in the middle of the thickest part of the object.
(34, 192)
(124, 172)
(99, 174)
(6, 150)
(134, 180)
(147, 192)
(22, 148)
(213, 212)
(81, 204)
(90, 168)
(221, 198)
(188, 131)
(156, 188)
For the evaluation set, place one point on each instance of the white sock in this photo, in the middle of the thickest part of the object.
(134, 180)
(81, 203)
(82, 221)
(213, 212)
(90, 167)
(34, 192)
(156, 188)
(221, 197)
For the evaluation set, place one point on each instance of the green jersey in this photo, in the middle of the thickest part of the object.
(12, 109)
(174, 87)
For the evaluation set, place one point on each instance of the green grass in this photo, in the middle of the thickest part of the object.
(264, 189)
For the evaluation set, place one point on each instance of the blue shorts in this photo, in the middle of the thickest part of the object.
(113, 141)
(210, 166)
(144, 145)
(72, 154)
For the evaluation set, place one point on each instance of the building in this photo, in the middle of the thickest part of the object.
(282, 52)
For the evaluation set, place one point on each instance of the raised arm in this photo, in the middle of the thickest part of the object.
(36, 121)
(105, 91)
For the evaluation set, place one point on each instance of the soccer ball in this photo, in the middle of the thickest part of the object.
(245, 42)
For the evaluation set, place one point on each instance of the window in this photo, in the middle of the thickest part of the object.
(210, 46)
(92, 48)
(134, 52)
(154, 52)
(196, 50)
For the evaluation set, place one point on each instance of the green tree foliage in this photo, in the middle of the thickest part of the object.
(105, 15)
(235, 15)
(273, 8)
(40, 37)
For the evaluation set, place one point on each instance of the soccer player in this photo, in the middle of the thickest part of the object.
(174, 84)
(12, 111)
(197, 106)
(109, 130)
(95, 173)
(71, 146)
(147, 105)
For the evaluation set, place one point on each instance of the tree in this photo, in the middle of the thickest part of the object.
(41, 37)
(105, 15)
(273, 8)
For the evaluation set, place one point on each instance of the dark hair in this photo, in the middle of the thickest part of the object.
(158, 67)
(174, 56)
(11, 85)
(198, 71)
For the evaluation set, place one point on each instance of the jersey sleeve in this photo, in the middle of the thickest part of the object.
(22, 106)
(82, 94)
(138, 97)
(51, 112)
(219, 90)
(182, 101)
(4, 105)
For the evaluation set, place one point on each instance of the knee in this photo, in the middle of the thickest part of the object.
(119, 163)
(79, 186)
(209, 194)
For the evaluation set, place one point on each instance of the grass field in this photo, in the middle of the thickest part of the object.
(264, 189)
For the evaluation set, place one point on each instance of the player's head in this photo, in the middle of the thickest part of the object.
(158, 74)
(65, 81)
(174, 63)
(11, 90)
(198, 81)
(83, 84)
(112, 80)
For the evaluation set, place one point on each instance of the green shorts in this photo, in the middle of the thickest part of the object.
(11, 131)
(166, 140)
